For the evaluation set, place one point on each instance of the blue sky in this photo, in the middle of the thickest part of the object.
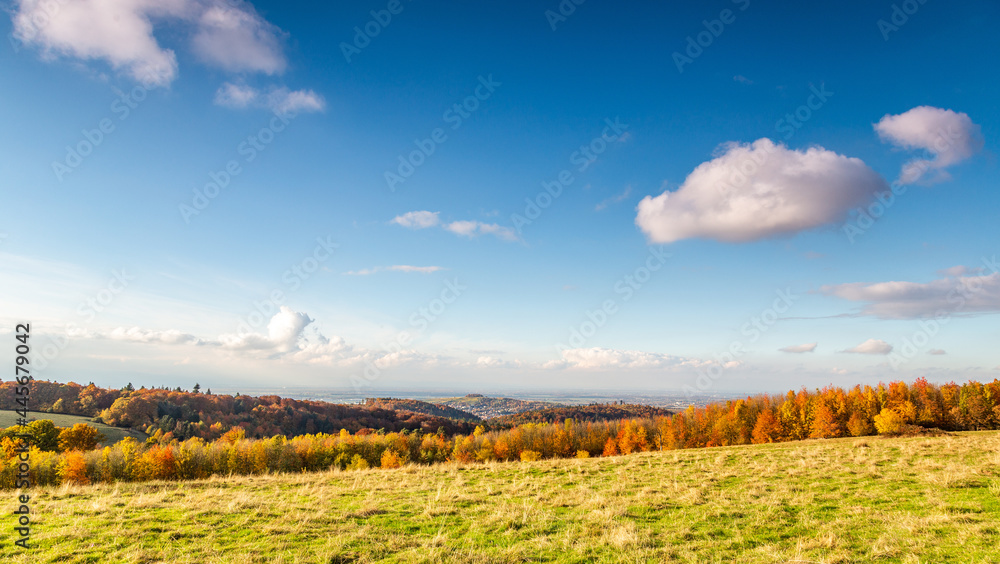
(489, 292)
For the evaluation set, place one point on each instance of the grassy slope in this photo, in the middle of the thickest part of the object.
(912, 500)
(111, 434)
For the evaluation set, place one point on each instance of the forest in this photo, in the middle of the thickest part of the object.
(183, 415)
(593, 412)
(827, 413)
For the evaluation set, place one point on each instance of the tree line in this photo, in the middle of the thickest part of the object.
(827, 413)
(183, 415)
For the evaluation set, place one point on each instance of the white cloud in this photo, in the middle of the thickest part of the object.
(871, 346)
(279, 100)
(170, 337)
(227, 34)
(283, 334)
(950, 137)
(118, 32)
(910, 300)
(603, 359)
(759, 190)
(284, 101)
(420, 269)
(806, 348)
(417, 219)
(396, 268)
(475, 228)
(494, 362)
(235, 95)
(464, 228)
(231, 35)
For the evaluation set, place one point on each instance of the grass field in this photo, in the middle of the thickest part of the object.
(111, 434)
(909, 500)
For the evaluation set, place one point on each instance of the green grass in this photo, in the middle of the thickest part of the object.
(111, 434)
(908, 500)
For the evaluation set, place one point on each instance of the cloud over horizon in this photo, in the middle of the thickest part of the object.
(871, 346)
(757, 191)
(806, 348)
(912, 300)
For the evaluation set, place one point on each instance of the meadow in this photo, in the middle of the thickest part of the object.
(924, 499)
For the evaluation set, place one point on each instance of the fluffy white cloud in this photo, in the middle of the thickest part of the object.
(474, 228)
(284, 101)
(284, 331)
(910, 300)
(279, 100)
(871, 346)
(759, 190)
(236, 95)
(231, 35)
(950, 137)
(806, 348)
(417, 219)
(228, 34)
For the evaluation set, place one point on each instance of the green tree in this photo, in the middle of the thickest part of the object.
(45, 433)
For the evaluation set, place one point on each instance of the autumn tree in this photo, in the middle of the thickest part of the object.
(767, 429)
(73, 469)
(859, 425)
(79, 437)
(824, 424)
(45, 434)
(889, 422)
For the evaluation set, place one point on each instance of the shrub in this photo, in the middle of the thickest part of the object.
(530, 455)
(582, 454)
(390, 459)
(358, 463)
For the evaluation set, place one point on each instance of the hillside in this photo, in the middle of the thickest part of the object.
(835, 500)
(486, 407)
(188, 414)
(417, 406)
(111, 434)
(580, 413)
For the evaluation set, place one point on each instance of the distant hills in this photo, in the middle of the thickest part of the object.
(184, 414)
(417, 406)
